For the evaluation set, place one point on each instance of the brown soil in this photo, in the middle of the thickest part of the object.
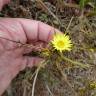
(83, 34)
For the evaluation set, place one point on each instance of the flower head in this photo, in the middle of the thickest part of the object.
(62, 42)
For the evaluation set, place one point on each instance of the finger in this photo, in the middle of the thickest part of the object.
(32, 61)
(36, 30)
(3, 2)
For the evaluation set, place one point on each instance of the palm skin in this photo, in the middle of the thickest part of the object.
(12, 60)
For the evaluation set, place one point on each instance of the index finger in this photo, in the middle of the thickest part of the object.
(37, 31)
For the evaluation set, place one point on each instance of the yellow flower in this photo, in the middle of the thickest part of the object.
(62, 42)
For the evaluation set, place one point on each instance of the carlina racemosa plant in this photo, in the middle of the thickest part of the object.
(54, 53)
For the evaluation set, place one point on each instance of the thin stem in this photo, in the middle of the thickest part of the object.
(75, 62)
(11, 40)
(65, 79)
(20, 44)
(69, 24)
(49, 90)
(37, 71)
(34, 82)
(46, 8)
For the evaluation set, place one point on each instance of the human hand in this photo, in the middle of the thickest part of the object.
(12, 31)
(25, 31)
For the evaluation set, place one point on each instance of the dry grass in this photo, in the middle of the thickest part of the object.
(63, 78)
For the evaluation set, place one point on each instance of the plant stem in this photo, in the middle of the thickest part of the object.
(37, 71)
(34, 82)
(75, 62)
